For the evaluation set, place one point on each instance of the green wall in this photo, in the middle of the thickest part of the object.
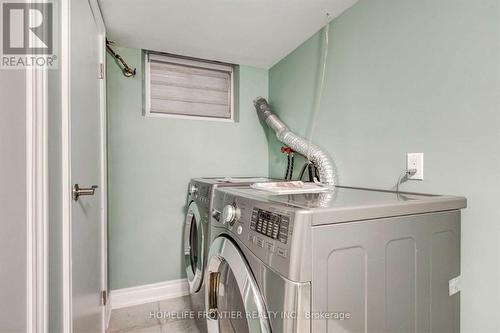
(412, 76)
(150, 162)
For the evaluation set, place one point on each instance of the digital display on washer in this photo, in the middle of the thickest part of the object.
(270, 224)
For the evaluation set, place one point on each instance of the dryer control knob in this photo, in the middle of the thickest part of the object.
(193, 189)
(230, 214)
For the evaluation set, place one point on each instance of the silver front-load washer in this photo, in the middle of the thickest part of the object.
(196, 231)
(346, 260)
(244, 292)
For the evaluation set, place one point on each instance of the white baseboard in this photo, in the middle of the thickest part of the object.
(148, 293)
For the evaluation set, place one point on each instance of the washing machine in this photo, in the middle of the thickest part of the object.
(196, 230)
(346, 260)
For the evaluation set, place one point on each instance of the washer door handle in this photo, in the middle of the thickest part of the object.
(213, 291)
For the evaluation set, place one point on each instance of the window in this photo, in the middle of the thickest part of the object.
(182, 87)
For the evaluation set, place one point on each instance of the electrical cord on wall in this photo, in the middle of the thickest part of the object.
(403, 177)
(310, 169)
(303, 170)
(291, 165)
(290, 156)
(312, 172)
(316, 179)
(320, 85)
(287, 166)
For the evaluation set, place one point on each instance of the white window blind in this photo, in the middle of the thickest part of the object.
(185, 87)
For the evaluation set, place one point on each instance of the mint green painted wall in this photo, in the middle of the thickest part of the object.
(413, 76)
(150, 162)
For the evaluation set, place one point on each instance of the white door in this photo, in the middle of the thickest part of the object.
(86, 169)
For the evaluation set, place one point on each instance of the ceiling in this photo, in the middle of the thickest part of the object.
(249, 32)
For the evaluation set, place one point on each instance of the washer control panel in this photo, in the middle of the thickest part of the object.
(270, 224)
(265, 228)
(199, 192)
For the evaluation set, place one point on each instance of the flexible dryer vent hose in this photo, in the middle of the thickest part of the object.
(318, 157)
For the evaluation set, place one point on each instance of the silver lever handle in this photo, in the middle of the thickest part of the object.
(78, 191)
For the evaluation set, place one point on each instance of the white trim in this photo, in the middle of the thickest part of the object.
(206, 64)
(148, 293)
(203, 64)
(180, 116)
(64, 68)
(37, 200)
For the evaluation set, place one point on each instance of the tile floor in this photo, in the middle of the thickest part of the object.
(139, 318)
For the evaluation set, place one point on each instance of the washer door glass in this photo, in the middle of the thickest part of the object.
(193, 247)
(234, 302)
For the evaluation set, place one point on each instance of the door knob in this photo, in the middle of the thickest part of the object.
(78, 191)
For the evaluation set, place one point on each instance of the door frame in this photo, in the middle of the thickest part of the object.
(37, 200)
(66, 162)
(94, 5)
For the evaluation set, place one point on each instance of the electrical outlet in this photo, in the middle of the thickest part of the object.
(415, 166)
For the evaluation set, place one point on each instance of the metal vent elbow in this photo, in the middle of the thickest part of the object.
(319, 157)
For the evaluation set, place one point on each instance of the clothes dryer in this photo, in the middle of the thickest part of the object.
(346, 260)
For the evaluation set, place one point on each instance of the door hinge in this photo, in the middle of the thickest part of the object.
(101, 71)
(104, 297)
